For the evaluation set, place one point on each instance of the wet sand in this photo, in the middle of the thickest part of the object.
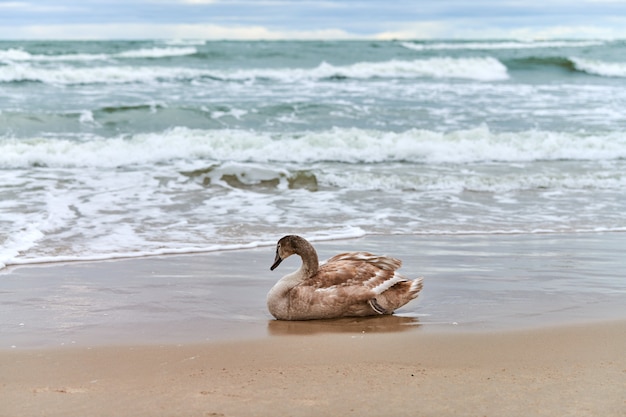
(471, 283)
(506, 325)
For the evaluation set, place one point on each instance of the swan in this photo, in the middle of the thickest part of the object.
(350, 284)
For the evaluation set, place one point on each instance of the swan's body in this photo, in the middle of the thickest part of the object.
(347, 285)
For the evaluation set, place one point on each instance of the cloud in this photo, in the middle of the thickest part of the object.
(494, 29)
(14, 5)
(26, 7)
(310, 19)
(165, 31)
(418, 30)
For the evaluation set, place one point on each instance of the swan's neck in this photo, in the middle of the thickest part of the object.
(278, 300)
(309, 267)
(310, 261)
(290, 280)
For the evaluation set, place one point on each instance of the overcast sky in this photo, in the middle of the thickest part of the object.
(309, 19)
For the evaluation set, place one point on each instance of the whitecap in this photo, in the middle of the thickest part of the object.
(186, 42)
(157, 52)
(86, 117)
(14, 55)
(348, 145)
(491, 45)
(67, 75)
(601, 68)
(17, 55)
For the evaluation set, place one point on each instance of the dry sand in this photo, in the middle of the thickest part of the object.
(561, 371)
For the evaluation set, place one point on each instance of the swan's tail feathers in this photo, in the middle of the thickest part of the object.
(396, 296)
(416, 286)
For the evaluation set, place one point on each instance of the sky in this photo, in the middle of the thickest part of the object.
(312, 19)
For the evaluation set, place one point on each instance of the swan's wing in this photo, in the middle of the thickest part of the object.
(383, 262)
(347, 284)
(358, 269)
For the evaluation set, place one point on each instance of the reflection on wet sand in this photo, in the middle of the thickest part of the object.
(375, 324)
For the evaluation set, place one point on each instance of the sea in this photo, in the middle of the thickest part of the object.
(117, 149)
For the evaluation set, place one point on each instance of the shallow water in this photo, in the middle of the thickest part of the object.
(472, 283)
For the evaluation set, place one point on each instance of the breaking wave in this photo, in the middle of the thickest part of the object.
(481, 69)
(348, 145)
(494, 45)
(19, 55)
(601, 68)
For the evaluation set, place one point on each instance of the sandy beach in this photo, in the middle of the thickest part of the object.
(566, 371)
(506, 325)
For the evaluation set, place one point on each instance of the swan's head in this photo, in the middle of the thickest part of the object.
(285, 247)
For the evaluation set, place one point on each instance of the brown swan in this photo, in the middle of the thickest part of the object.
(347, 285)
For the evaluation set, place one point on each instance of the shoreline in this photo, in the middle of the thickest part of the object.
(69, 260)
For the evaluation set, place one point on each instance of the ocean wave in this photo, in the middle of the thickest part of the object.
(66, 75)
(572, 64)
(157, 52)
(472, 181)
(491, 45)
(185, 42)
(19, 55)
(601, 68)
(339, 145)
(484, 69)
(543, 61)
(481, 69)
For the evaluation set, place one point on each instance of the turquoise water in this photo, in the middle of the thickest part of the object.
(112, 149)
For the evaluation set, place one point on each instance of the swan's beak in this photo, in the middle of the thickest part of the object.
(277, 261)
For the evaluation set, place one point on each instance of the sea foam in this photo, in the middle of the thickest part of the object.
(349, 145)
(18, 242)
